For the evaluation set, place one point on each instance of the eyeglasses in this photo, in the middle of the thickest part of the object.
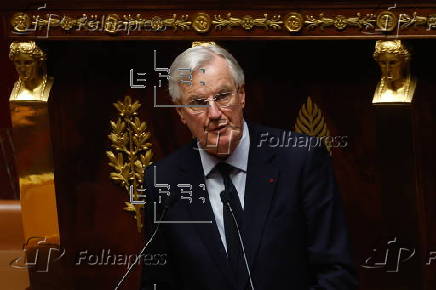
(201, 104)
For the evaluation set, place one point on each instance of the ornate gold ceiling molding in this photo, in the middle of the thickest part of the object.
(288, 23)
(111, 23)
(247, 22)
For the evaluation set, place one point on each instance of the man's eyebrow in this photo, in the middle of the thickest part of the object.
(193, 96)
(224, 89)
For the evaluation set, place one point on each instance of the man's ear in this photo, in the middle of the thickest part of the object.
(180, 112)
(241, 93)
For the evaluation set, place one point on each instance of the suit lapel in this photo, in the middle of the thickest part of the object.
(192, 170)
(262, 176)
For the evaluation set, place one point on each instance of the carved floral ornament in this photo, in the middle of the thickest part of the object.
(292, 22)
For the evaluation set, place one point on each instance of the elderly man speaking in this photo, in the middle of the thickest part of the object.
(240, 214)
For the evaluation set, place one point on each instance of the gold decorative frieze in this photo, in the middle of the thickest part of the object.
(247, 22)
(131, 153)
(387, 21)
(112, 23)
(430, 23)
(340, 22)
(405, 21)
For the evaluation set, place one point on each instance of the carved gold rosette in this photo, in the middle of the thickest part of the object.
(286, 21)
(131, 153)
(201, 22)
(294, 22)
(386, 21)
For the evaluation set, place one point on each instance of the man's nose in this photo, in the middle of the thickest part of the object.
(214, 110)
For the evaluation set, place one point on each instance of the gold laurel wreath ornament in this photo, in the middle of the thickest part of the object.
(131, 153)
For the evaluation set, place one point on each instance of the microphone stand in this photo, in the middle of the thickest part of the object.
(129, 270)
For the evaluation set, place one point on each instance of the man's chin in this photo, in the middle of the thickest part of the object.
(219, 152)
(219, 144)
(219, 147)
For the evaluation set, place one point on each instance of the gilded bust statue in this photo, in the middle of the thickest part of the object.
(33, 83)
(396, 84)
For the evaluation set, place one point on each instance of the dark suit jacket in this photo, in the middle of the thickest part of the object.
(293, 226)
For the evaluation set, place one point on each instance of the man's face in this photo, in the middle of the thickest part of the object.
(217, 127)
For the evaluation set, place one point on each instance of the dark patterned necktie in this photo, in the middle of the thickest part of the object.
(230, 194)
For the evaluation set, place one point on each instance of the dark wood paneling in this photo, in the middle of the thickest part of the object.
(8, 178)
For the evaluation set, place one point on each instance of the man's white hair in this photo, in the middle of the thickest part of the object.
(195, 57)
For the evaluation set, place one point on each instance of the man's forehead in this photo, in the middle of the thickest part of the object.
(209, 78)
(215, 66)
(205, 86)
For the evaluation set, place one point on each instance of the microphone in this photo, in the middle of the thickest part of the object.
(225, 199)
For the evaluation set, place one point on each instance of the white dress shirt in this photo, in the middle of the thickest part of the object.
(214, 182)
